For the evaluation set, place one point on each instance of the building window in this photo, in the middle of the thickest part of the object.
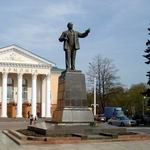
(10, 89)
(24, 89)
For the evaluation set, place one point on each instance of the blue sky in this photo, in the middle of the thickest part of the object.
(118, 31)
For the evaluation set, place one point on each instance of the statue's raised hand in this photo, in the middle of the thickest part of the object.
(88, 30)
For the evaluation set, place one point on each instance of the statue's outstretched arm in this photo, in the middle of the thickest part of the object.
(84, 34)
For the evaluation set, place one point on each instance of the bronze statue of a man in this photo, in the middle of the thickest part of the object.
(71, 44)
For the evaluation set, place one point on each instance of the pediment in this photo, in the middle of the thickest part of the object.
(15, 54)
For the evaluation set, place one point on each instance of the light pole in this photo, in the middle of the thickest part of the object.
(94, 96)
(143, 111)
(94, 105)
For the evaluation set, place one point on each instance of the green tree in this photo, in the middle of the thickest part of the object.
(136, 101)
(131, 100)
(118, 97)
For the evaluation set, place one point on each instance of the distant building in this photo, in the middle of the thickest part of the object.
(28, 83)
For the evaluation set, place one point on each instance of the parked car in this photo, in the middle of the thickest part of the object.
(100, 118)
(142, 119)
(139, 118)
(146, 119)
(121, 121)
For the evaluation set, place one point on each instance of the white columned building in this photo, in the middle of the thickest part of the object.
(43, 96)
(25, 83)
(19, 100)
(4, 95)
(48, 96)
(34, 94)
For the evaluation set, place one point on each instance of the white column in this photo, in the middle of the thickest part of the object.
(4, 96)
(19, 100)
(48, 97)
(43, 96)
(34, 95)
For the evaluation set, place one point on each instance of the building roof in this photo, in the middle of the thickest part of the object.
(55, 69)
(27, 52)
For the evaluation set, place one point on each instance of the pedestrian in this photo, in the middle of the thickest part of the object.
(35, 119)
(31, 119)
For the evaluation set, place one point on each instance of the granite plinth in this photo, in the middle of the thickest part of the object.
(50, 128)
(73, 115)
(72, 99)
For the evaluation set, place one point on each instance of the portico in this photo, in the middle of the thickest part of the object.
(25, 79)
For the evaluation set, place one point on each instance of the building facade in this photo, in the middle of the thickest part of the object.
(28, 84)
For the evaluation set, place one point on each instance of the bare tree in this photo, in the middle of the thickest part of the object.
(105, 73)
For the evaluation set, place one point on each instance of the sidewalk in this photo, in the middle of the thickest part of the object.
(15, 123)
(8, 144)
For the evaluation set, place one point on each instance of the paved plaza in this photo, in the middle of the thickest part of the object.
(7, 144)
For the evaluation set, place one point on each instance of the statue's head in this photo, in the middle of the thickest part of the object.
(70, 25)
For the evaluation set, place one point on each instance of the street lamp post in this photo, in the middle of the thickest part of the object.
(143, 111)
(94, 96)
(94, 105)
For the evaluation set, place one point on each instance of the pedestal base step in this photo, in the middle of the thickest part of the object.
(73, 115)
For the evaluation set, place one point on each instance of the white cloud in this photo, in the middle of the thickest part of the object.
(40, 26)
(62, 9)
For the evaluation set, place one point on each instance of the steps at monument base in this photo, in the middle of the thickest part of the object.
(91, 136)
(73, 115)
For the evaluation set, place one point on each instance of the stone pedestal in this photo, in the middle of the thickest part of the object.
(72, 100)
